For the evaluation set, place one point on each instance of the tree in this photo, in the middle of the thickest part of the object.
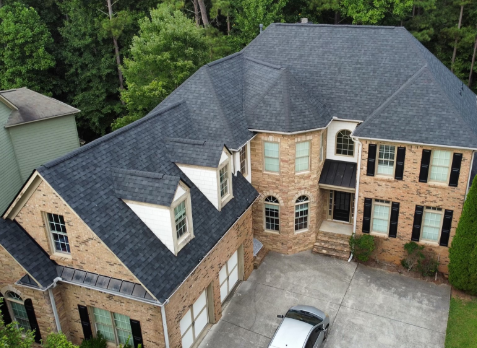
(463, 250)
(251, 13)
(57, 340)
(13, 336)
(24, 57)
(168, 49)
(374, 11)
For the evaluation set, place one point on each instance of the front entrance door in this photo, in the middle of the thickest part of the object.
(342, 203)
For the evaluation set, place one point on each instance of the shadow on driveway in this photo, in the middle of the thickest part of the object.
(367, 307)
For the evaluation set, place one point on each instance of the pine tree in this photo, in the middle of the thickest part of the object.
(463, 251)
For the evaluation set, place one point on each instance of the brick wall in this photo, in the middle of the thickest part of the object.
(208, 273)
(11, 272)
(83, 242)
(287, 186)
(409, 192)
(71, 296)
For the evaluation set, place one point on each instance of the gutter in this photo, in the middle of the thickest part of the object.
(415, 143)
(356, 195)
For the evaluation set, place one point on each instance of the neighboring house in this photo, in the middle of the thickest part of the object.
(34, 129)
(340, 129)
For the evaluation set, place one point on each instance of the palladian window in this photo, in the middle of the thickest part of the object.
(344, 143)
(272, 214)
(301, 213)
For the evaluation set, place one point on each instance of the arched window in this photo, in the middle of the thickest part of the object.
(18, 310)
(344, 143)
(272, 214)
(301, 213)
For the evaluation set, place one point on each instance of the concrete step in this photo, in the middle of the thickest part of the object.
(344, 255)
(333, 236)
(332, 245)
(257, 260)
(332, 239)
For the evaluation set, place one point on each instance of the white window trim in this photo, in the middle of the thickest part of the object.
(322, 147)
(8, 301)
(307, 216)
(222, 201)
(182, 242)
(377, 161)
(264, 157)
(449, 167)
(309, 156)
(49, 236)
(336, 143)
(265, 217)
(385, 203)
(95, 331)
(434, 210)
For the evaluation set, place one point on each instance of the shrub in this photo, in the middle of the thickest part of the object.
(463, 250)
(362, 246)
(428, 265)
(96, 342)
(424, 262)
(57, 340)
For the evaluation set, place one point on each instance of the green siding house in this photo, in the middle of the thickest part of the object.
(34, 129)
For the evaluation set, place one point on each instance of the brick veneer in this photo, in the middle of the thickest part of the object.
(287, 186)
(409, 192)
(83, 242)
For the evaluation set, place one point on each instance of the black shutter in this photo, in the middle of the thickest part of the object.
(136, 333)
(455, 171)
(368, 205)
(399, 171)
(32, 319)
(393, 224)
(425, 160)
(85, 323)
(371, 160)
(446, 226)
(416, 226)
(7, 319)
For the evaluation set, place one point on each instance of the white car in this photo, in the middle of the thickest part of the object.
(301, 327)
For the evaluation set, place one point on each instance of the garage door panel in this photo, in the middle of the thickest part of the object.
(199, 304)
(188, 339)
(186, 321)
(224, 291)
(233, 278)
(223, 274)
(201, 322)
(232, 262)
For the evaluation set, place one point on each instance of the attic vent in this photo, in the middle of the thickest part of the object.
(304, 20)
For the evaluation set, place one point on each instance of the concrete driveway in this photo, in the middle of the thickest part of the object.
(368, 307)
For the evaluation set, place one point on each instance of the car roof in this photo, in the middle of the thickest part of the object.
(292, 333)
(309, 309)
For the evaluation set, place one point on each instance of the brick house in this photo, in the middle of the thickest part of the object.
(308, 135)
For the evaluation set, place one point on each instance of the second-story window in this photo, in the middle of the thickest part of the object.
(301, 213)
(386, 159)
(440, 164)
(56, 224)
(243, 160)
(272, 159)
(344, 143)
(224, 181)
(302, 156)
(180, 215)
(272, 214)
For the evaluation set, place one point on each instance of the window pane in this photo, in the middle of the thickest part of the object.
(224, 181)
(180, 216)
(440, 165)
(301, 164)
(271, 149)
(271, 157)
(440, 158)
(272, 217)
(243, 159)
(432, 226)
(58, 232)
(386, 159)
(123, 328)
(271, 164)
(20, 315)
(344, 143)
(380, 218)
(439, 173)
(301, 216)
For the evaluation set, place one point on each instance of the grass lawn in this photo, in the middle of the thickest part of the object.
(462, 324)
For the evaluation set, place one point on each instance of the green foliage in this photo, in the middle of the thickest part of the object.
(374, 11)
(12, 336)
(461, 332)
(57, 340)
(423, 261)
(24, 57)
(168, 49)
(362, 246)
(95, 342)
(463, 250)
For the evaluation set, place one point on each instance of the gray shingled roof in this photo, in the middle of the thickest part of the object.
(84, 180)
(146, 187)
(32, 106)
(30, 255)
(194, 152)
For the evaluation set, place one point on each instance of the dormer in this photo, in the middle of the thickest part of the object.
(207, 164)
(161, 201)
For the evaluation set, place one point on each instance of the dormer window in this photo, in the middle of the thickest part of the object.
(224, 181)
(180, 214)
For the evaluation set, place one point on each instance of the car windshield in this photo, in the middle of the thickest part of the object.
(303, 316)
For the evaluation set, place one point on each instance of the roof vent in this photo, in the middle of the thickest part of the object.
(304, 20)
(261, 27)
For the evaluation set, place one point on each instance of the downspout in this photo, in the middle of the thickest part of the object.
(356, 195)
(469, 183)
(164, 323)
(53, 304)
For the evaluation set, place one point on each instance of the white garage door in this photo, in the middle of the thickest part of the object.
(194, 321)
(228, 276)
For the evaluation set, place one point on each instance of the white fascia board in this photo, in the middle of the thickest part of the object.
(416, 143)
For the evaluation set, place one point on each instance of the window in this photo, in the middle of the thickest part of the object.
(243, 160)
(386, 159)
(381, 215)
(57, 227)
(330, 204)
(302, 156)
(272, 160)
(344, 143)
(272, 214)
(431, 226)
(180, 215)
(18, 310)
(322, 148)
(440, 164)
(224, 181)
(113, 326)
(301, 213)
(194, 321)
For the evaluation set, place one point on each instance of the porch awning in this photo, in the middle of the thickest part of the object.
(338, 175)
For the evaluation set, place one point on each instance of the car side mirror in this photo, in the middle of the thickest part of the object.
(280, 316)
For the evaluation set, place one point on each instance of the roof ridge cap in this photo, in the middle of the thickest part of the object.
(285, 75)
(355, 26)
(261, 62)
(109, 136)
(185, 141)
(144, 174)
(221, 60)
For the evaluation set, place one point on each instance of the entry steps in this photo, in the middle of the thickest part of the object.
(332, 244)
